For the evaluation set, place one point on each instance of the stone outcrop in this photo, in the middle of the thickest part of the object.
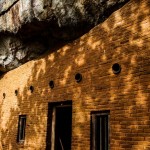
(28, 28)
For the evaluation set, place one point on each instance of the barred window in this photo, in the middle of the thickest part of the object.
(100, 130)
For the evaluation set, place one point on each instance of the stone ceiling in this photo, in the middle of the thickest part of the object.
(28, 28)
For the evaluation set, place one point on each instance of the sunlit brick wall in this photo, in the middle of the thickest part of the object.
(123, 38)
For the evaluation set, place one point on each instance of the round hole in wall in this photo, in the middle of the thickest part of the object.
(116, 68)
(31, 89)
(51, 84)
(78, 77)
(4, 95)
(16, 92)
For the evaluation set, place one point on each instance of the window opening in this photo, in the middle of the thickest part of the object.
(21, 128)
(100, 131)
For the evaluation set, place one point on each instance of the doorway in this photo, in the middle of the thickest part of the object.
(60, 121)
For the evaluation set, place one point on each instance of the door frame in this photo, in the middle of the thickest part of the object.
(51, 122)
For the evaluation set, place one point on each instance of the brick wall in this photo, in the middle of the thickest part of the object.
(123, 38)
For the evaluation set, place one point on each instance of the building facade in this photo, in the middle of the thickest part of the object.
(92, 93)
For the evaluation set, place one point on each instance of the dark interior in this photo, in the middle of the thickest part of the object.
(63, 128)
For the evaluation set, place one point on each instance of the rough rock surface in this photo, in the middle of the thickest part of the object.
(30, 27)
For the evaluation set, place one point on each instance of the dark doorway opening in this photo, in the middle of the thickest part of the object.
(63, 128)
(59, 127)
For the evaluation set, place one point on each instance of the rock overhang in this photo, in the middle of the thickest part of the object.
(28, 28)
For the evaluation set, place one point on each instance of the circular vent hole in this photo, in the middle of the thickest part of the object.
(116, 68)
(51, 84)
(78, 77)
(4, 95)
(31, 89)
(16, 92)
